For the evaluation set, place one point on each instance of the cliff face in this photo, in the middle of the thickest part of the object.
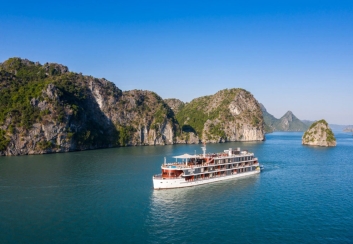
(319, 134)
(228, 115)
(144, 118)
(46, 108)
(288, 122)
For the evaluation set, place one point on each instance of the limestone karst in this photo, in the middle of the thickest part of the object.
(319, 134)
(46, 108)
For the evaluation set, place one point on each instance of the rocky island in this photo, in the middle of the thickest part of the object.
(228, 115)
(319, 134)
(47, 108)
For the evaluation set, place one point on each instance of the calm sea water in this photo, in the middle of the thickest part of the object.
(305, 194)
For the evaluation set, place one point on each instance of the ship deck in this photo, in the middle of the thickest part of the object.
(210, 157)
(215, 170)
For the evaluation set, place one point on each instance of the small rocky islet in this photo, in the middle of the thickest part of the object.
(319, 134)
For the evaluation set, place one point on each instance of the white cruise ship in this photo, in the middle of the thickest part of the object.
(201, 169)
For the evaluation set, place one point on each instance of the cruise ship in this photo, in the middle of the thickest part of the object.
(193, 170)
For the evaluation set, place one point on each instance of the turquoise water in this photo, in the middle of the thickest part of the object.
(305, 194)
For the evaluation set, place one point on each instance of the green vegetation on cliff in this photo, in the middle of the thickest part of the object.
(3, 140)
(322, 121)
(16, 91)
(192, 117)
(216, 130)
(125, 133)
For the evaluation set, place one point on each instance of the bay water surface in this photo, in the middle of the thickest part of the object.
(304, 194)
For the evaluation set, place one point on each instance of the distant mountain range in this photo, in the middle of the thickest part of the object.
(288, 122)
(348, 128)
(334, 127)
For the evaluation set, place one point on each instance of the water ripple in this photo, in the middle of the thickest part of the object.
(304, 195)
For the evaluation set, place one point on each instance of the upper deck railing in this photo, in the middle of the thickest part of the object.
(211, 162)
(213, 171)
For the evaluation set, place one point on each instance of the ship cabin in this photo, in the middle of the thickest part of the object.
(205, 165)
(174, 170)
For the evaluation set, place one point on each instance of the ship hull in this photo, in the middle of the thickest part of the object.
(159, 184)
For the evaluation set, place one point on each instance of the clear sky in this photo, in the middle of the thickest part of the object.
(291, 55)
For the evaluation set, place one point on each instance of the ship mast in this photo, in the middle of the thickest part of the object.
(204, 149)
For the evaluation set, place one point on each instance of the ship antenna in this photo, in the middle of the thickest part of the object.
(204, 149)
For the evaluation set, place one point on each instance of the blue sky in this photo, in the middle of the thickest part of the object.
(291, 55)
